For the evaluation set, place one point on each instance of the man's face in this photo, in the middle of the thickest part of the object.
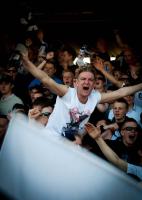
(99, 82)
(34, 94)
(66, 57)
(129, 133)
(44, 116)
(68, 78)
(129, 57)
(6, 88)
(49, 69)
(85, 84)
(119, 110)
(12, 72)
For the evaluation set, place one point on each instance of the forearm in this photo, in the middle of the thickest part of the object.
(111, 78)
(111, 155)
(125, 91)
(120, 93)
(37, 73)
(41, 65)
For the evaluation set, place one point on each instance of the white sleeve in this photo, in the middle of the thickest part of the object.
(135, 170)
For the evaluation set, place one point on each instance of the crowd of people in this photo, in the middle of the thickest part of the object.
(96, 105)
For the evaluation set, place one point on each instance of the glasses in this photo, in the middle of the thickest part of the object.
(46, 114)
(129, 128)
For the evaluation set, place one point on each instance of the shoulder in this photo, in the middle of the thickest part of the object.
(96, 93)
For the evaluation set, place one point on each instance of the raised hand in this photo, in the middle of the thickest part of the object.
(34, 113)
(50, 55)
(93, 131)
(98, 64)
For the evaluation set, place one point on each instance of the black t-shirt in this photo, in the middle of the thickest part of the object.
(128, 154)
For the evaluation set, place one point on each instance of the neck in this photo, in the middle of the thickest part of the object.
(83, 99)
(6, 95)
(120, 120)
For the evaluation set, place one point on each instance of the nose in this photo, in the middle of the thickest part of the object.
(116, 110)
(86, 81)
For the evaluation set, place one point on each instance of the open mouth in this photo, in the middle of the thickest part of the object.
(132, 137)
(85, 88)
(67, 83)
(117, 115)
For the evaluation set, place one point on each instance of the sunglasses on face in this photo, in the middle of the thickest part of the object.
(129, 128)
(46, 114)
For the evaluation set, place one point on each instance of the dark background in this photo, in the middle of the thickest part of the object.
(75, 21)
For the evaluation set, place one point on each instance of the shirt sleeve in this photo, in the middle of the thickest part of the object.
(135, 170)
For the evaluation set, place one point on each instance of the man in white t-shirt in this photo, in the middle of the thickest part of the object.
(74, 106)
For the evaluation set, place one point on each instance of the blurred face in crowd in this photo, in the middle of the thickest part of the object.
(40, 35)
(49, 68)
(44, 116)
(117, 74)
(129, 56)
(65, 57)
(34, 94)
(129, 133)
(119, 110)
(102, 45)
(6, 88)
(28, 42)
(12, 72)
(99, 82)
(68, 78)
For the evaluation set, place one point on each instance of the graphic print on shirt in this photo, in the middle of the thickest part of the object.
(73, 127)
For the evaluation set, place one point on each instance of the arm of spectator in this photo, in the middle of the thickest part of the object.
(95, 133)
(120, 93)
(34, 113)
(58, 89)
(99, 65)
(41, 65)
(113, 126)
(49, 56)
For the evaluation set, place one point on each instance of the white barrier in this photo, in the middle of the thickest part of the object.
(38, 167)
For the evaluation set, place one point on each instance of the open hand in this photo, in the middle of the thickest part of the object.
(93, 131)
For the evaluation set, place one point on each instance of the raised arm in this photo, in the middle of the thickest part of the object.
(99, 65)
(95, 133)
(122, 92)
(58, 89)
(49, 56)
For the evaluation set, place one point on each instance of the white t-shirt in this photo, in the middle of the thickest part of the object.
(70, 114)
(135, 170)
